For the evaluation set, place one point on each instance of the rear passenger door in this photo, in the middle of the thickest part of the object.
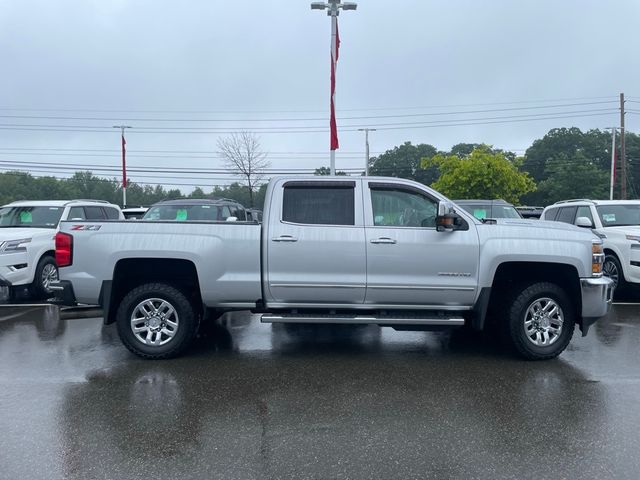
(315, 245)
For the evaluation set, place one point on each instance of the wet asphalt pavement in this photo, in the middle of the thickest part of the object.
(258, 402)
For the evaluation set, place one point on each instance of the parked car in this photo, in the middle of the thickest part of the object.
(27, 230)
(365, 250)
(192, 209)
(530, 212)
(134, 213)
(254, 215)
(617, 222)
(482, 209)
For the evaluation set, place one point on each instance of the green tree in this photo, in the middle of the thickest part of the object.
(574, 177)
(327, 171)
(481, 174)
(404, 161)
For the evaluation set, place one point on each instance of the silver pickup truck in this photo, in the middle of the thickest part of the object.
(372, 250)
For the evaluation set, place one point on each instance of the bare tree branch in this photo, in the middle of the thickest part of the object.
(243, 155)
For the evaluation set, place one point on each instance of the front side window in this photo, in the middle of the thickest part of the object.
(402, 208)
(319, 205)
(584, 212)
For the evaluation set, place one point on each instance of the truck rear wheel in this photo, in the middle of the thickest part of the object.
(156, 320)
(539, 321)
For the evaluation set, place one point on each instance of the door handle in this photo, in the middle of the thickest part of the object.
(383, 240)
(284, 238)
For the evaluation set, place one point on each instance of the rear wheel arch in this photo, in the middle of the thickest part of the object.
(130, 273)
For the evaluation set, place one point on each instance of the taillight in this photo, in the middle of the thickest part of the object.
(64, 249)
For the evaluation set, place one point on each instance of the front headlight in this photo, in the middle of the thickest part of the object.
(13, 246)
(597, 258)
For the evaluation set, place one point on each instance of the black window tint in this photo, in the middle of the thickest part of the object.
(551, 214)
(319, 205)
(94, 213)
(567, 214)
(112, 213)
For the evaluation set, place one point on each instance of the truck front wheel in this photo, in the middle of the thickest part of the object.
(539, 321)
(156, 320)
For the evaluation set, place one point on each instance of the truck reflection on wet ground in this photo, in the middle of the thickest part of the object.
(260, 401)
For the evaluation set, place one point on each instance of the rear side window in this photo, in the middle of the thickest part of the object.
(94, 213)
(112, 213)
(551, 214)
(567, 214)
(316, 204)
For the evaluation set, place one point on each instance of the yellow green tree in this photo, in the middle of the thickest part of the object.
(483, 173)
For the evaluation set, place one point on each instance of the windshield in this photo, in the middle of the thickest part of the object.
(183, 213)
(34, 217)
(619, 215)
(487, 211)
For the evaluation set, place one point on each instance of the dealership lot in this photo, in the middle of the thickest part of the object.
(258, 402)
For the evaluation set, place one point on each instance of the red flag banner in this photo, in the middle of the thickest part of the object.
(332, 122)
(124, 163)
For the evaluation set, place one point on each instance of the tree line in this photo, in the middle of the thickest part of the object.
(565, 163)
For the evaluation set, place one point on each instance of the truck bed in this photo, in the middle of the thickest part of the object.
(226, 255)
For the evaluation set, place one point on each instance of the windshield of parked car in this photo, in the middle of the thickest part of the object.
(482, 211)
(182, 213)
(34, 217)
(619, 215)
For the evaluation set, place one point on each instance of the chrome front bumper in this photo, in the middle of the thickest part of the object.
(597, 297)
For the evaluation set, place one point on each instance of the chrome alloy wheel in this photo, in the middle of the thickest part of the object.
(610, 269)
(154, 322)
(49, 274)
(543, 322)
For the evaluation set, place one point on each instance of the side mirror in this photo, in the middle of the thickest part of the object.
(584, 222)
(445, 221)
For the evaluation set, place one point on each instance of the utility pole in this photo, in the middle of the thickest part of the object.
(612, 178)
(623, 158)
(366, 141)
(333, 10)
(124, 164)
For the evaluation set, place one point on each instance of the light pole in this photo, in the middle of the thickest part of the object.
(366, 141)
(124, 164)
(333, 10)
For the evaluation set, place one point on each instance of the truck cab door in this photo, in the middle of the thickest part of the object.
(314, 244)
(410, 263)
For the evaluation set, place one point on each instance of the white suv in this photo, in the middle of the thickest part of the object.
(617, 222)
(27, 231)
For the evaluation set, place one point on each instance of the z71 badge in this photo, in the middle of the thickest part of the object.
(91, 228)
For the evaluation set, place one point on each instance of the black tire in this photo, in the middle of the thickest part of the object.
(613, 270)
(184, 332)
(39, 288)
(513, 325)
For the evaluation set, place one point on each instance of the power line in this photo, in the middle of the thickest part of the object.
(348, 128)
(197, 120)
(362, 109)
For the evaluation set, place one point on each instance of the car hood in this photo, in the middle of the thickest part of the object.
(538, 224)
(625, 230)
(17, 233)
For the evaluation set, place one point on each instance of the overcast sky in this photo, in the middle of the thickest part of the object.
(226, 65)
